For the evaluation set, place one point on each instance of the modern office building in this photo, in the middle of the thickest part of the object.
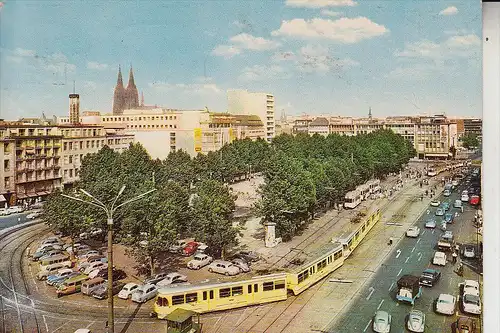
(242, 102)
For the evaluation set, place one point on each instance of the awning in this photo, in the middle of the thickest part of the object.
(21, 195)
(2, 198)
(42, 193)
(32, 195)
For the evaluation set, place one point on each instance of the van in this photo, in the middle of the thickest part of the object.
(89, 286)
(55, 259)
(72, 285)
(49, 270)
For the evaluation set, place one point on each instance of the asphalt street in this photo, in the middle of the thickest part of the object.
(12, 220)
(412, 256)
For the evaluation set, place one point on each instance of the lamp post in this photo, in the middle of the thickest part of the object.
(109, 213)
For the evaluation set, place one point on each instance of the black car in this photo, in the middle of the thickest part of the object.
(248, 256)
(430, 277)
(102, 291)
(118, 274)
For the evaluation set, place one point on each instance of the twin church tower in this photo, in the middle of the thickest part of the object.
(125, 98)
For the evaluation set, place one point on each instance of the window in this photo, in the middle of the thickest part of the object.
(266, 286)
(70, 173)
(303, 276)
(321, 265)
(88, 144)
(211, 294)
(81, 144)
(65, 147)
(225, 292)
(177, 299)
(255, 288)
(191, 298)
(93, 143)
(71, 146)
(235, 291)
(205, 297)
(70, 158)
(279, 284)
(249, 288)
(65, 173)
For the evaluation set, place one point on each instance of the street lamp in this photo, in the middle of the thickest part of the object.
(109, 212)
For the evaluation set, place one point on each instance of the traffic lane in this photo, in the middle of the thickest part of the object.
(13, 219)
(411, 256)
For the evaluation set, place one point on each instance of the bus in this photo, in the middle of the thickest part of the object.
(374, 185)
(364, 191)
(352, 199)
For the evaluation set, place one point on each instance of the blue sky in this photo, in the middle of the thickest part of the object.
(316, 56)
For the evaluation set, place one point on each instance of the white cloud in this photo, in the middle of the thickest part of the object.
(260, 72)
(320, 3)
(454, 46)
(331, 13)
(345, 30)
(415, 72)
(226, 51)
(318, 59)
(24, 53)
(56, 63)
(190, 88)
(249, 42)
(203, 79)
(14, 59)
(452, 10)
(97, 66)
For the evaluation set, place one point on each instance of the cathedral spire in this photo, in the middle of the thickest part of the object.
(119, 82)
(131, 82)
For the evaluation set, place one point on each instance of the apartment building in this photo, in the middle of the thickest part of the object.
(320, 126)
(79, 140)
(434, 136)
(403, 126)
(243, 102)
(31, 161)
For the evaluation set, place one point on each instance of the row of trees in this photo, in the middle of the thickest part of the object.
(302, 174)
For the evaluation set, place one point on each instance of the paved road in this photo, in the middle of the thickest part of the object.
(11, 220)
(412, 256)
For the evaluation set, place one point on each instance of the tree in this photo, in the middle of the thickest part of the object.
(212, 208)
(470, 141)
(152, 224)
(179, 167)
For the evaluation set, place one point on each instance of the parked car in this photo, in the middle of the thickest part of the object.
(95, 265)
(179, 245)
(33, 215)
(439, 211)
(71, 285)
(469, 252)
(127, 290)
(4, 212)
(61, 274)
(445, 304)
(439, 258)
(248, 256)
(15, 209)
(223, 267)
(241, 264)
(199, 260)
(464, 197)
(435, 203)
(471, 304)
(431, 223)
(382, 322)
(41, 252)
(430, 277)
(144, 293)
(474, 200)
(172, 278)
(118, 274)
(156, 278)
(470, 287)
(78, 249)
(416, 321)
(102, 291)
(92, 284)
(84, 263)
(51, 269)
(466, 325)
(413, 232)
(88, 254)
(190, 249)
(50, 254)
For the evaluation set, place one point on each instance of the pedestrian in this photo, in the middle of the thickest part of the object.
(454, 255)
(462, 208)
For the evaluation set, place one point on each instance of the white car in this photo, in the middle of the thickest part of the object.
(446, 304)
(95, 265)
(469, 251)
(440, 212)
(430, 224)
(416, 321)
(471, 304)
(470, 287)
(172, 278)
(241, 264)
(144, 293)
(447, 193)
(223, 267)
(439, 259)
(382, 322)
(199, 260)
(435, 203)
(464, 197)
(413, 232)
(127, 290)
(4, 211)
(15, 210)
(33, 215)
(454, 183)
(457, 204)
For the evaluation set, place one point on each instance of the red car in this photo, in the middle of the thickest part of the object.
(474, 200)
(190, 249)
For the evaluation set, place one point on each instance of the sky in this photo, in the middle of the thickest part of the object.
(336, 57)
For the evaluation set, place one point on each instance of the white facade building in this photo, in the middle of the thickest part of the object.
(261, 104)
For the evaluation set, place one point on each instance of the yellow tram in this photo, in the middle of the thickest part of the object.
(208, 297)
